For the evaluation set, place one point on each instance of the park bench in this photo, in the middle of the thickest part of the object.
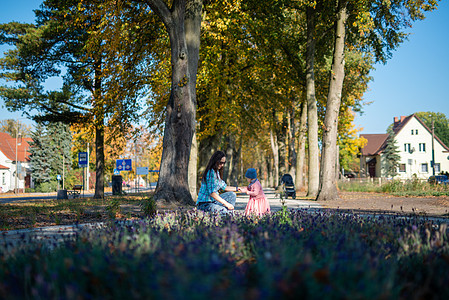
(75, 192)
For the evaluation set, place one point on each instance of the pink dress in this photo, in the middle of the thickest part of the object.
(257, 203)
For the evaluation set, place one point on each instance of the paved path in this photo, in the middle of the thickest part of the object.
(275, 201)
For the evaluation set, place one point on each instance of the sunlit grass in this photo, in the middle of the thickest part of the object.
(395, 187)
(31, 213)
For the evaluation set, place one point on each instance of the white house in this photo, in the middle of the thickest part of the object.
(14, 157)
(416, 146)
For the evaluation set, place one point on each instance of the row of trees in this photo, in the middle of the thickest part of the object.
(270, 80)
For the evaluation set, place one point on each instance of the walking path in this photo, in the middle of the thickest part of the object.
(275, 201)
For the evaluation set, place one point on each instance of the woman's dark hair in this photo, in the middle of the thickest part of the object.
(213, 164)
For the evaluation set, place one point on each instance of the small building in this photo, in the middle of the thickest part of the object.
(14, 163)
(416, 148)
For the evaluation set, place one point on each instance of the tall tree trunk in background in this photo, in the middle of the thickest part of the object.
(282, 142)
(99, 132)
(312, 111)
(291, 142)
(275, 149)
(182, 23)
(270, 180)
(193, 165)
(299, 180)
(233, 157)
(328, 187)
(99, 164)
(206, 148)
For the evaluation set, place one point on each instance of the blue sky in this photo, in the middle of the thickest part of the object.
(413, 80)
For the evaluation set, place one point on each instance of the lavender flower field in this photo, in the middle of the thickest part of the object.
(191, 255)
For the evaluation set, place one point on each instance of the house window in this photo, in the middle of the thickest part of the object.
(412, 131)
(416, 131)
(424, 168)
(401, 167)
(437, 168)
(422, 147)
(3, 178)
(407, 147)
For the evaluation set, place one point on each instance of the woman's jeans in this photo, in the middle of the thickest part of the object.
(217, 207)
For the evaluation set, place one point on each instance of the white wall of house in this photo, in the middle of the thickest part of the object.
(7, 176)
(415, 145)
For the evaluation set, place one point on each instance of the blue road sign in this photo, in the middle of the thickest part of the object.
(116, 172)
(58, 177)
(123, 165)
(82, 159)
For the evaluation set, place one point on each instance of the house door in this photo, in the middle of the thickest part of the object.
(372, 167)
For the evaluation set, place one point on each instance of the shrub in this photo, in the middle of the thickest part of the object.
(46, 187)
(148, 206)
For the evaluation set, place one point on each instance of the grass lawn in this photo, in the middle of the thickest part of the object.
(39, 213)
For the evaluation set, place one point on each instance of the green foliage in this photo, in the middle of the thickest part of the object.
(440, 123)
(284, 217)
(49, 150)
(390, 157)
(148, 206)
(46, 187)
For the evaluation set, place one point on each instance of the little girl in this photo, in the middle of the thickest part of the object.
(257, 203)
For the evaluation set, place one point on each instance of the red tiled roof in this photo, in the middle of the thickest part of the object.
(375, 143)
(2, 167)
(8, 147)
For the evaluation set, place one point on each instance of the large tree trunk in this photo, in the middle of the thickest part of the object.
(312, 111)
(299, 180)
(328, 188)
(182, 23)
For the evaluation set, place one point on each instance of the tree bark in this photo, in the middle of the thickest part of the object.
(193, 165)
(182, 23)
(291, 142)
(99, 132)
(99, 164)
(312, 111)
(299, 180)
(328, 187)
(275, 149)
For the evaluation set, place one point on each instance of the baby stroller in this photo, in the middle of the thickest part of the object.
(288, 186)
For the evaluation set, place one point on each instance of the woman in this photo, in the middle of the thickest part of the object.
(208, 197)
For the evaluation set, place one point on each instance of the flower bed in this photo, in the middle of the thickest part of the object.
(189, 255)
